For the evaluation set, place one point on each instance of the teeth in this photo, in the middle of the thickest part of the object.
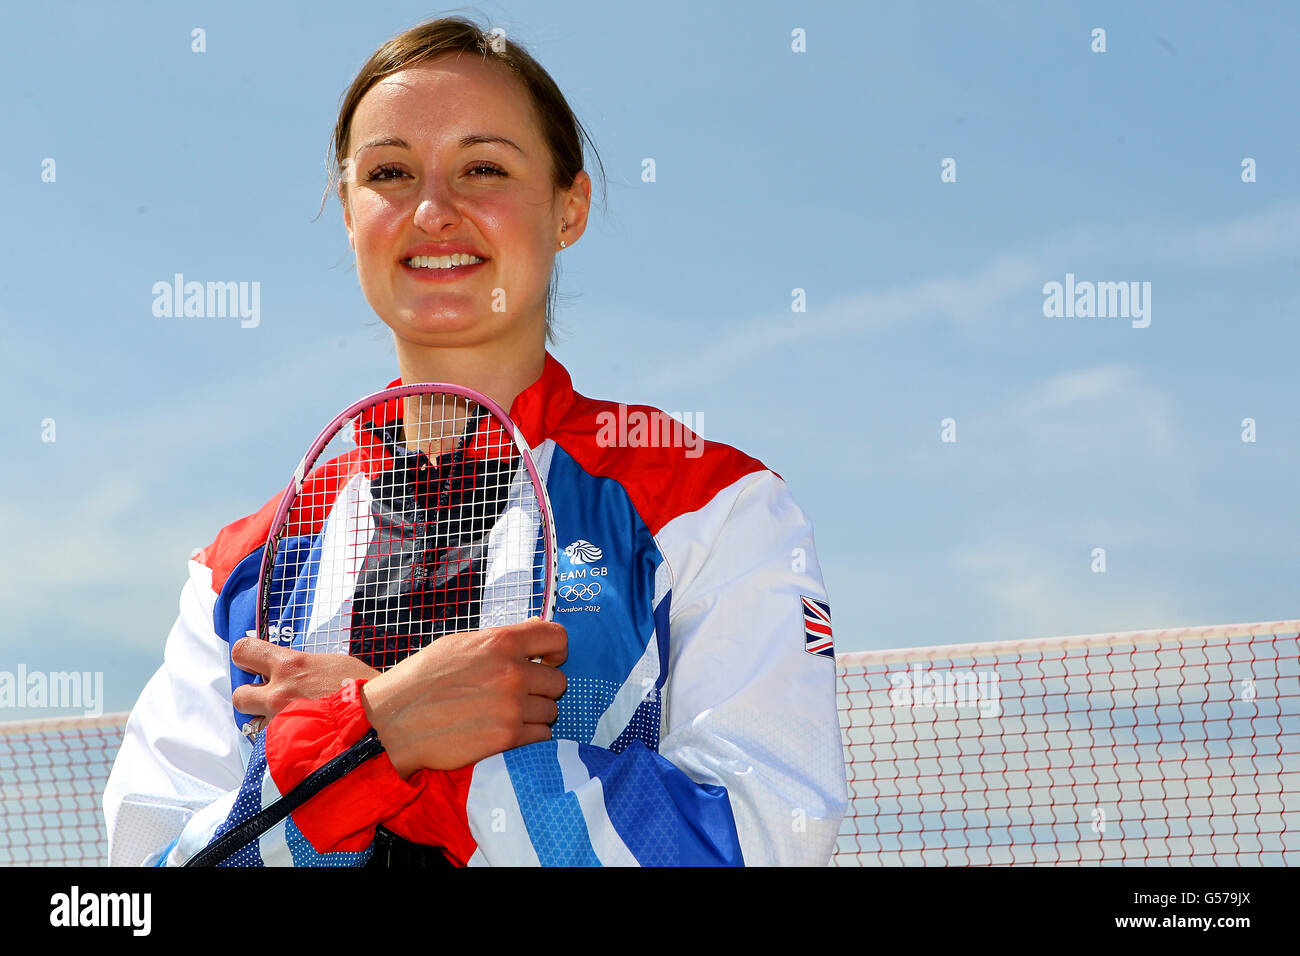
(443, 262)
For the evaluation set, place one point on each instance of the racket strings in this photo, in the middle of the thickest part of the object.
(430, 526)
(425, 567)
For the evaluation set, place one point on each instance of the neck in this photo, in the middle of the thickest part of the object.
(499, 371)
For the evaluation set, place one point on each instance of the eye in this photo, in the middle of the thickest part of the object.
(391, 172)
(378, 175)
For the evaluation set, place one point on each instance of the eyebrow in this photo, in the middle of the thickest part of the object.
(472, 139)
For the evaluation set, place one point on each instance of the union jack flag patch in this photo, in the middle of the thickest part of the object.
(817, 627)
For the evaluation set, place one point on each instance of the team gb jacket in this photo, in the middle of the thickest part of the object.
(698, 727)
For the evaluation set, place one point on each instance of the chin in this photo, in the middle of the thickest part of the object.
(444, 330)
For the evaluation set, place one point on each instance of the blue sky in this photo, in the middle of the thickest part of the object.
(776, 170)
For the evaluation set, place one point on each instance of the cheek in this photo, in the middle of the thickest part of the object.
(509, 220)
(375, 224)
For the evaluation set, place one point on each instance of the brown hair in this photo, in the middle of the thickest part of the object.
(561, 130)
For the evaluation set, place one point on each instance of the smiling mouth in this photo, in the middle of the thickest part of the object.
(442, 263)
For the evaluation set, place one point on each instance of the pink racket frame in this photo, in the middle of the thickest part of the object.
(308, 462)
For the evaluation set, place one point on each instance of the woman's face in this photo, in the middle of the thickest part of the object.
(421, 185)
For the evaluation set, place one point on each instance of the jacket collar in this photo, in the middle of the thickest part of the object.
(537, 410)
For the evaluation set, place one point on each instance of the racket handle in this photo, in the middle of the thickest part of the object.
(226, 845)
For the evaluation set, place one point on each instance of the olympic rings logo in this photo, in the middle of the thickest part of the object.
(580, 592)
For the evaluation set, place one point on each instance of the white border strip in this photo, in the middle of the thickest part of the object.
(55, 724)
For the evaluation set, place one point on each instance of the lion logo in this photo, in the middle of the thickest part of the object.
(583, 552)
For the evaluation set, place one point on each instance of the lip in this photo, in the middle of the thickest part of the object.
(441, 249)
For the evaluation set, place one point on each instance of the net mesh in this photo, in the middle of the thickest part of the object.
(1151, 748)
(52, 776)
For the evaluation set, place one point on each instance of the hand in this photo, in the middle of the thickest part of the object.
(288, 675)
(468, 696)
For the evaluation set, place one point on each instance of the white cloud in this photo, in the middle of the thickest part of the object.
(962, 300)
(106, 561)
(1096, 407)
(1036, 591)
(1248, 237)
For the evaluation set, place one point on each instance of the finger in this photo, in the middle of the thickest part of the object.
(544, 639)
(534, 734)
(255, 655)
(545, 680)
(252, 699)
(540, 710)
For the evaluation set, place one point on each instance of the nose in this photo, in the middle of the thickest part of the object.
(435, 212)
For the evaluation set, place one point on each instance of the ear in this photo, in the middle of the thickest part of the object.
(577, 207)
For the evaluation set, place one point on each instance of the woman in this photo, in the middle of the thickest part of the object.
(683, 722)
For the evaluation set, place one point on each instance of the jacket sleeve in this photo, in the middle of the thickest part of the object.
(750, 706)
(185, 774)
(750, 767)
